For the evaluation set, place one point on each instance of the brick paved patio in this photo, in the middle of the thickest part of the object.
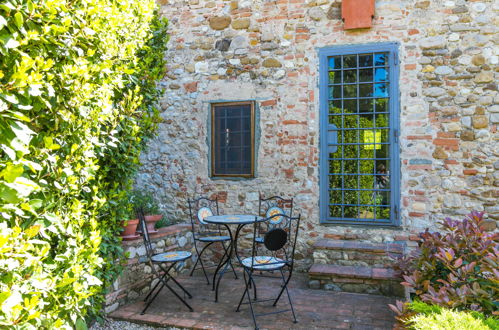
(315, 309)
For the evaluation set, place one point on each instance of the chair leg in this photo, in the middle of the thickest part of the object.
(201, 260)
(162, 280)
(254, 287)
(180, 298)
(155, 286)
(285, 283)
(181, 287)
(246, 287)
(249, 299)
(283, 287)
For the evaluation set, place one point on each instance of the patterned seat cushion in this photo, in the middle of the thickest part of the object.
(264, 263)
(171, 256)
(214, 238)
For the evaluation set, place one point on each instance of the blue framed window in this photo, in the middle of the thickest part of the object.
(359, 123)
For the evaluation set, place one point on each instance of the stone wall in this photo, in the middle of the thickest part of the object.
(136, 279)
(267, 51)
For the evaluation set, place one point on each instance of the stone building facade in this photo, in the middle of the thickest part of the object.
(268, 52)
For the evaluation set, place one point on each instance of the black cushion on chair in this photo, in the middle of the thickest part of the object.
(275, 239)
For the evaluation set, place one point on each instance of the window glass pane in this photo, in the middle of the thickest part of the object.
(366, 90)
(334, 62)
(381, 74)
(380, 59)
(366, 120)
(335, 77)
(366, 75)
(366, 212)
(350, 61)
(366, 105)
(335, 182)
(335, 106)
(382, 120)
(367, 167)
(349, 76)
(380, 90)
(349, 91)
(335, 210)
(383, 213)
(334, 167)
(335, 92)
(350, 106)
(365, 60)
(351, 211)
(381, 105)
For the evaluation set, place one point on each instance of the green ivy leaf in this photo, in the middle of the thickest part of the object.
(18, 17)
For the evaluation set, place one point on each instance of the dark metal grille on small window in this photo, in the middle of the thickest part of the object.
(359, 136)
(232, 139)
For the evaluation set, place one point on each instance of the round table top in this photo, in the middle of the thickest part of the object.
(237, 219)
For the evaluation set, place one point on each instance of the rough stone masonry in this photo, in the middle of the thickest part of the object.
(267, 51)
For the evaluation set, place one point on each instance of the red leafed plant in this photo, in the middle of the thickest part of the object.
(457, 268)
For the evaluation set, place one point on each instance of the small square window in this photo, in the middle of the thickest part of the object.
(232, 139)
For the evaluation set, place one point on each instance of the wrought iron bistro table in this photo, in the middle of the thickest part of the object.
(227, 220)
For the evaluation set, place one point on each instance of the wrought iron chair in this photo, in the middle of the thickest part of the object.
(204, 233)
(158, 259)
(268, 207)
(279, 252)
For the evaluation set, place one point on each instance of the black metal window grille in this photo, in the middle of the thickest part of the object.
(233, 139)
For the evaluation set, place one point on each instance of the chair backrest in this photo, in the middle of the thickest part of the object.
(279, 241)
(267, 207)
(145, 233)
(199, 209)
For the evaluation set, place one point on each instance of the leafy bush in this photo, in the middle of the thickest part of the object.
(458, 268)
(421, 316)
(144, 199)
(77, 102)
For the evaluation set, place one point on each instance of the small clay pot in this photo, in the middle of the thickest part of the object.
(130, 229)
(151, 222)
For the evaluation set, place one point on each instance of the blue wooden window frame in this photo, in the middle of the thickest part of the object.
(329, 141)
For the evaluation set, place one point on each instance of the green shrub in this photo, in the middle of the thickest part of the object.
(433, 317)
(457, 268)
(77, 102)
(144, 199)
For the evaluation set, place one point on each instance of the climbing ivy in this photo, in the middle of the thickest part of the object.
(77, 103)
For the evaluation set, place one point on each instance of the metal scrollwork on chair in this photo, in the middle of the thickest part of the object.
(271, 208)
(203, 232)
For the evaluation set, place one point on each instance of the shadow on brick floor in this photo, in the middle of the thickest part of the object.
(315, 309)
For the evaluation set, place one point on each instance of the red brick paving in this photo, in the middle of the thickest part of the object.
(315, 309)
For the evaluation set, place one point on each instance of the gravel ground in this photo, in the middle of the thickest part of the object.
(122, 325)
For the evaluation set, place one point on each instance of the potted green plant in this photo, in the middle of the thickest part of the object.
(145, 200)
(129, 226)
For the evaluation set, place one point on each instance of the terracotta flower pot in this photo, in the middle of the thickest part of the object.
(151, 222)
(129, 230)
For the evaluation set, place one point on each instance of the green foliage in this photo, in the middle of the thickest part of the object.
(430, 317)
(457, 268)
(144, 199)
(77, 102)
(163, 223)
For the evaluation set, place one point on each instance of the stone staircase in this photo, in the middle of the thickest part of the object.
(353, 266)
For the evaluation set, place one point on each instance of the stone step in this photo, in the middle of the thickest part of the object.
(330, 244)
(351, 253)
(358, 279)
